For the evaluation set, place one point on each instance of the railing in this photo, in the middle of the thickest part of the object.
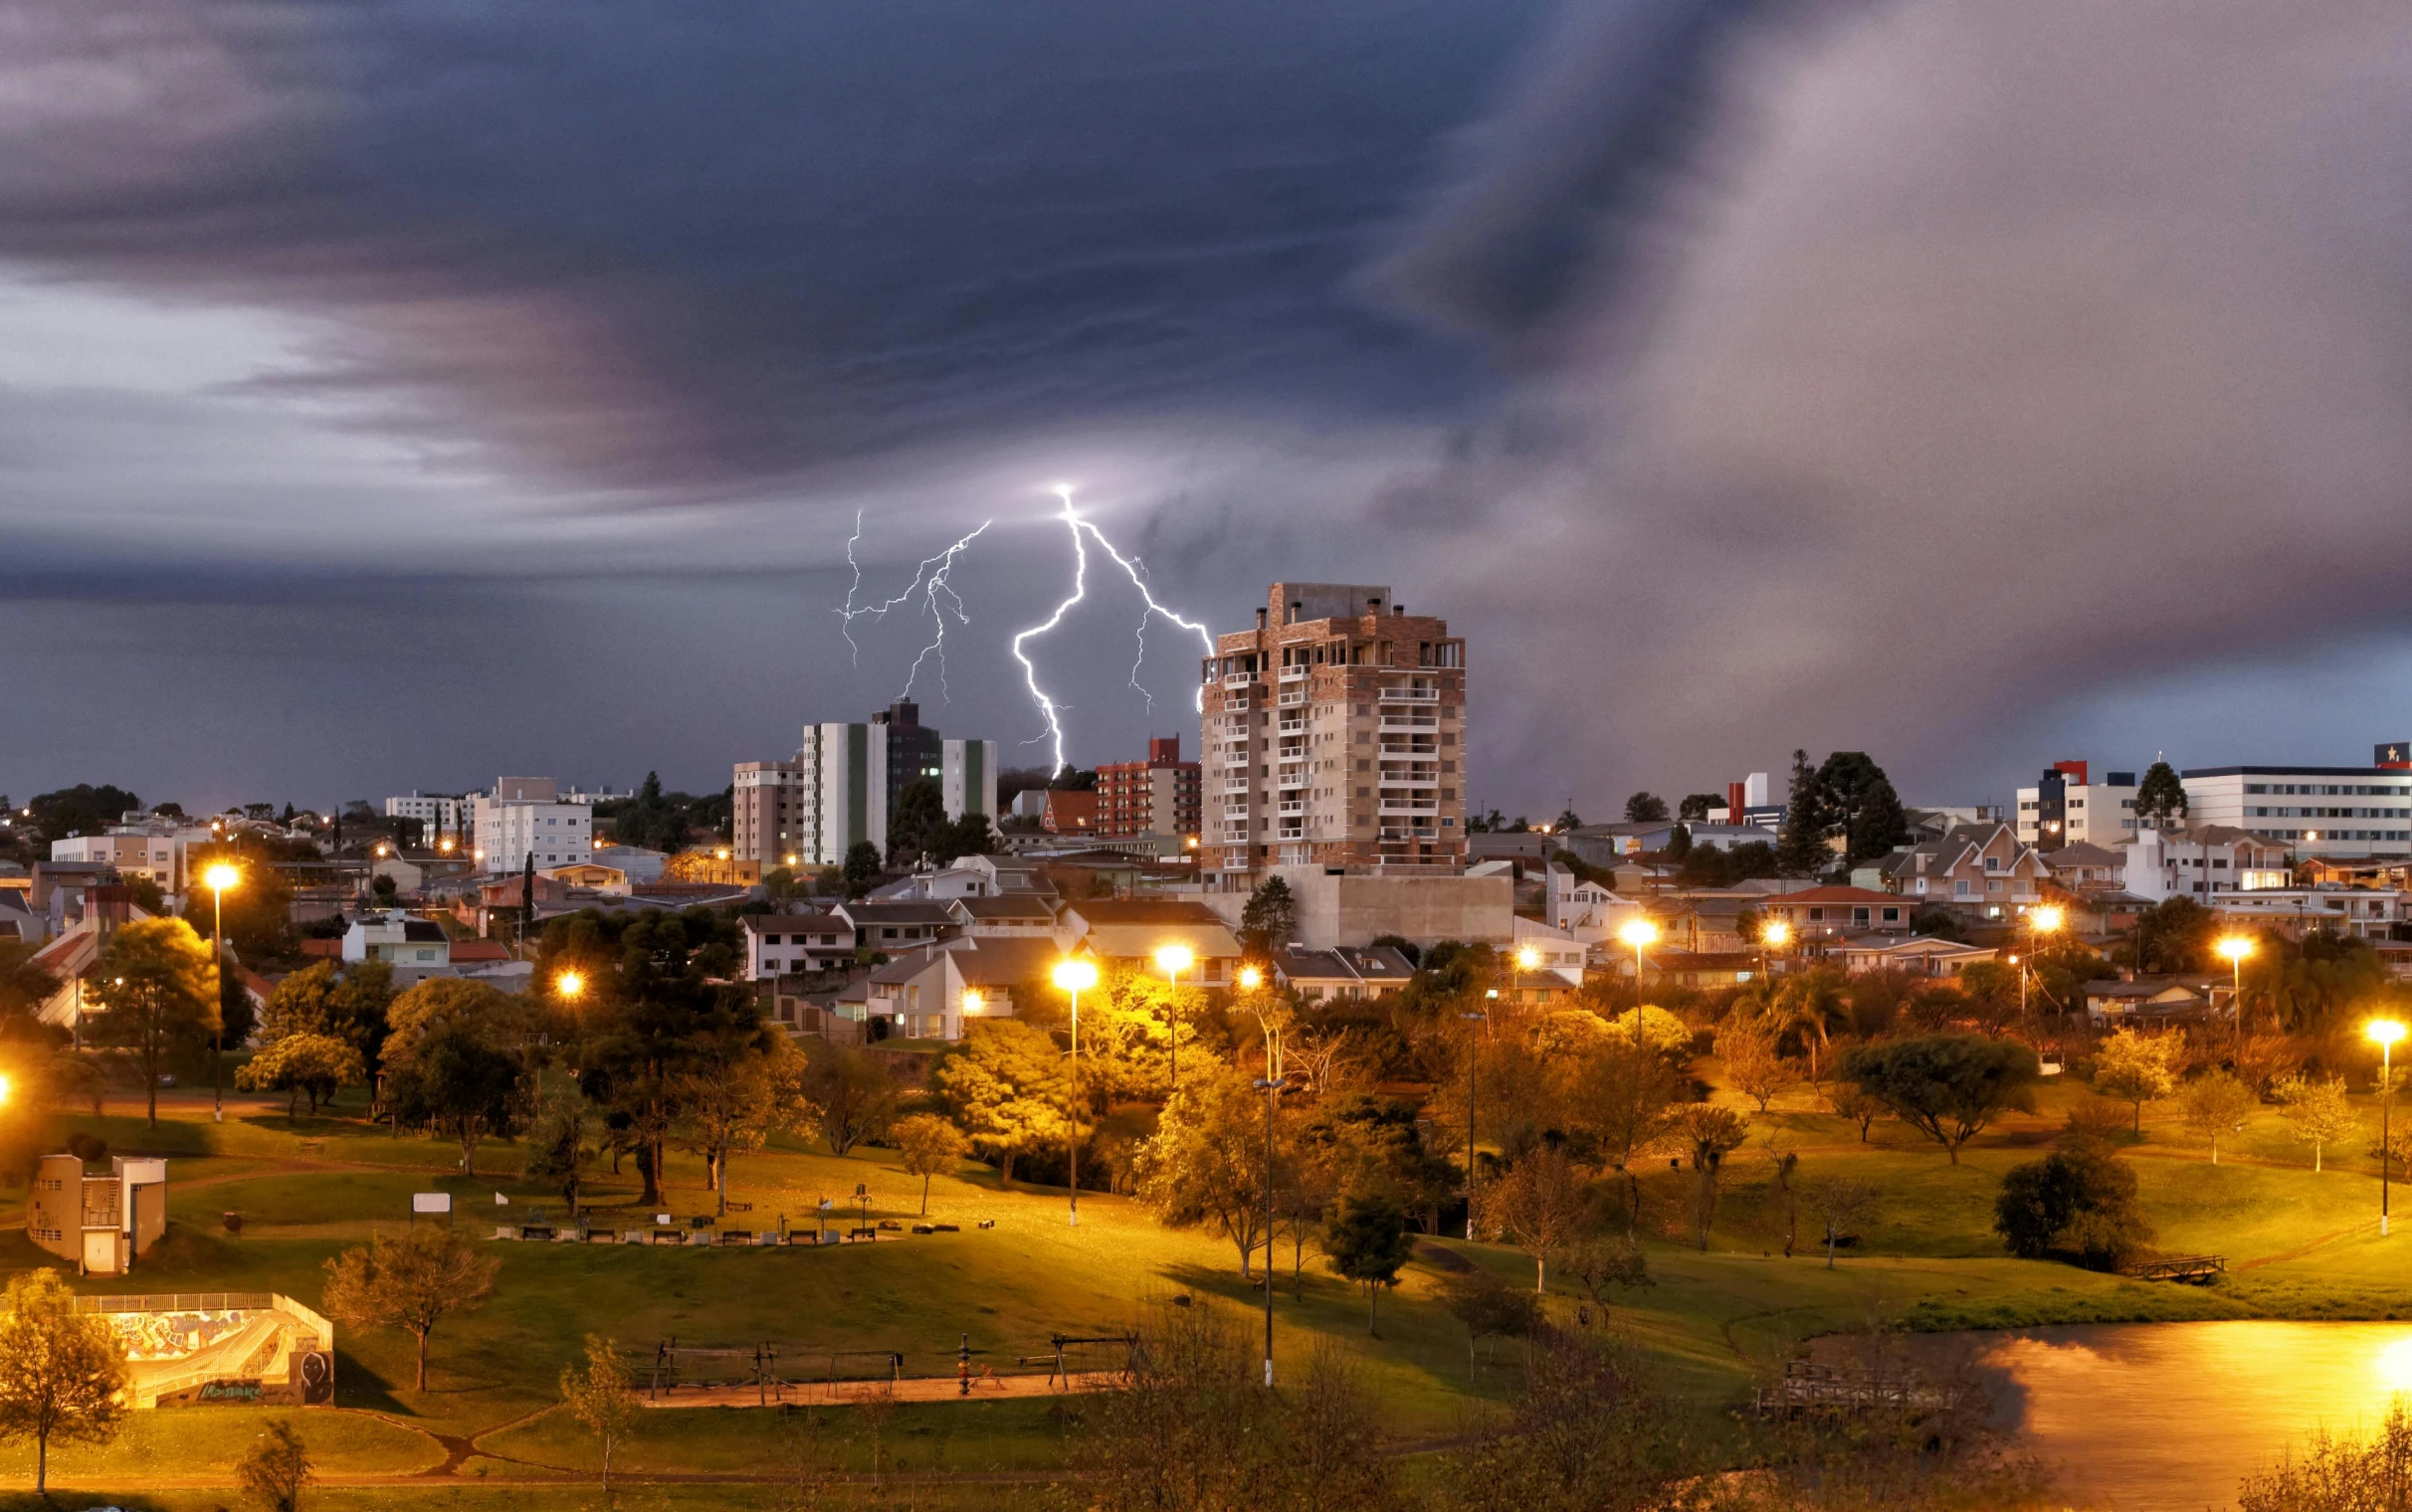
(1239, 786)
(1396, 836)
(1238, 679)
(1405, 725)
(1292, 697)
(1236, 811)
(1392, 806)
(1408, 696)
(1292, 727)
(1407, 782)
(1294, 675)
(1291, 806)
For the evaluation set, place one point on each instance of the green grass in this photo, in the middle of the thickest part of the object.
(1927, 1259)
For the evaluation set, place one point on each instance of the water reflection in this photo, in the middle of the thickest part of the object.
(2169, 1416)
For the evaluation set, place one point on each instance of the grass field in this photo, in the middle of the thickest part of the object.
(2300, 1245)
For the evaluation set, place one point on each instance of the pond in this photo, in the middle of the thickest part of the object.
(2170, 1416)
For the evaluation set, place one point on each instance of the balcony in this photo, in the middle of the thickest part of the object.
(1292, 807)
(1294, 675)
(1237, 811)
(1238, 680)
(1292, 697)
(1398, 834)
(1409, 695)
(1407, 807)
(1240, 788)
(1395, 780)
(1292, 725)
(1406, 725)
(1290, 782)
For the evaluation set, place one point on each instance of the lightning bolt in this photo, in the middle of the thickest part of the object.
(937, 591)
(1084, 532)
(846, 615)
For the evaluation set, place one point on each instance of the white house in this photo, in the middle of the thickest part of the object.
(1585, 909)
(526, 820)
(415, 948)
(2201, 862)
(778, 944)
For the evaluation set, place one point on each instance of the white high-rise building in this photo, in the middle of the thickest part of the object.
(435, 811)
(2064, 809)
(524, 821)
(2337, 812)
(844, 782)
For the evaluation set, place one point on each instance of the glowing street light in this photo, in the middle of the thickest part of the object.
(1071, 976)
(2236, 948)
(1172, 960)
(1250, 978)
(217, 877)
(2042, 920)
(2384, 1033)
(1640, 934)
(6, 1088)
(1773, 934)
(569, 986)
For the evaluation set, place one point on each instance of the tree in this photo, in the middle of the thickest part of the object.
(2173, 934)
(277, 1467)
(1849, 1101)
(1878, 824)
(1645, 809)
(1567, 819)
(862, 867)
(1488, 1308)
(1800, 841)
(2079, 1202)
(1839, 1205)
(318, 1064)
(2317, 1113)
(1205, 1164)
(1270, 919)
(851, 1091)
(929, 1145)
(1748, 1054)
(1679, 842)
(1708, 1134)
(601, 1394)
(81, 809)
(969, 836)
(411, 1281)
(461, 1081)
(1600, 1264)
(65, 1370)
(2136, 1068)
(1620, 1097)
(154, 987)
(1538, 1205)
(1004, 1084)
(1694, 808)
(740, 1091)
(1948, 1087)
(916, 823)
(2213, 1104)
(563, 1140)
(2160, 796)
(1365, 1239)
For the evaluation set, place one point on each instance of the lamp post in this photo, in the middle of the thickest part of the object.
(1776, 935)
(1071, 976)
(1172, 960)
(1471, 1021)
(217, 878)
(2237, 947)
(1527, 959)
(2384, 1033)
(1640, 934)
(1271, 1085)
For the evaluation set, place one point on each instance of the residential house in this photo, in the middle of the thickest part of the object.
(1700, 968)
(1343, 974)
(2201, 862)
(2084, 867)
(2156, 1000)
(416, 948)
(1980, 872)
(1919, 955)
(2297, 912)
(784, 944)
(1582, 908)
(929, 992)
(1131, 931)
(1558, 956)
(1021, 915)
(1818, 915)
(895, 926)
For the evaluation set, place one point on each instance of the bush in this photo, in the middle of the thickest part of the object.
(2077, 1203)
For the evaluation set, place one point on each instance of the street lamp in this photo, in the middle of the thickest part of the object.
(1527, 959)
(2043, 920)
(217, 878)
(569, 986)
(1269, 1084)
(1071, 976)
(1774, 934)
(2236, 947)
(2384, 1033)
(1640, 934)
(1251, 978)
(1172, 960)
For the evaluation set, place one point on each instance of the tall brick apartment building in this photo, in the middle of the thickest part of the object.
(1334, 735)
(1159, 796)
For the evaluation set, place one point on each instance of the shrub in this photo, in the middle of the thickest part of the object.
(2079, 1202)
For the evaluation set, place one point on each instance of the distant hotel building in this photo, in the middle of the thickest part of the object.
(434, 812)
(2315, 811)
(2064, 809)
(844, 782)
(1333, 735)
(1159, 796)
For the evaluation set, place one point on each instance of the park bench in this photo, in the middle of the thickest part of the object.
(2196, 1269)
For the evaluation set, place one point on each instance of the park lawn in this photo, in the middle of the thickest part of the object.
(473, 1493)
(160, 1445)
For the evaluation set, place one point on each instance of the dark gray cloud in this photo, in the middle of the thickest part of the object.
(1981, 363)
(395, 392)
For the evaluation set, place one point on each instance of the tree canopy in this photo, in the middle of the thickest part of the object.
(1948, 1087)
(156, 989)
(2160, 796)
(1005, 1083)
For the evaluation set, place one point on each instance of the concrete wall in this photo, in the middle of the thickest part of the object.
(1354, 911)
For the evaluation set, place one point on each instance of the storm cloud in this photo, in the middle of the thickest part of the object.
(1939, 379)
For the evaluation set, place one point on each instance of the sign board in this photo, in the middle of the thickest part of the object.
(661, 1217)
(2394, 755)
(431, 1202)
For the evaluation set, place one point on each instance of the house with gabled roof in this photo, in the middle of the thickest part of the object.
(1982, 872)
(1343, 973)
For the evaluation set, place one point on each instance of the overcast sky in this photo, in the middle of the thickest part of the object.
(395, 394)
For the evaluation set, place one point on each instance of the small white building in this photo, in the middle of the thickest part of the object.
(1585, 909)
(784, 944)
(415, 948)
(2201, 862)
(139, 846)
